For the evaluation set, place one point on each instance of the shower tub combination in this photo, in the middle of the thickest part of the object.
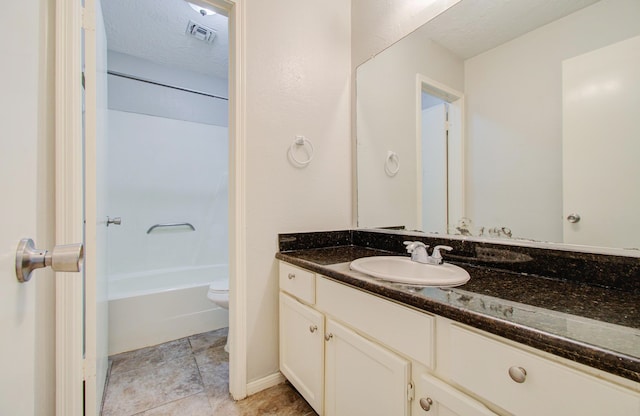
(172, 242)
(140, 317)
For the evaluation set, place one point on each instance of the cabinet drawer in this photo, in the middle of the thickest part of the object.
(298, 282)
(445, 399)
(403, 329)
(482, 365)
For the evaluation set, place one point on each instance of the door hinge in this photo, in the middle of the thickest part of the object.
(411, 394)
(89, 369)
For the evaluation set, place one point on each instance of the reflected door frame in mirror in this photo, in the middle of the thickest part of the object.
(451, 148)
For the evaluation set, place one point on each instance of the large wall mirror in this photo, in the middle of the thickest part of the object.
(513, 119)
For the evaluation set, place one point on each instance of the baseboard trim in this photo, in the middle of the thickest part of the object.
(264, 383)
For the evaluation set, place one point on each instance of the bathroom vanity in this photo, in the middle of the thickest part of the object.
(506, 342)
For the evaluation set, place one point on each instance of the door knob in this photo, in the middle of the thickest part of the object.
(63, 258)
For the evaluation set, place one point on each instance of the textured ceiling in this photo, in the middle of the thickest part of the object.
(155, 30)
(474, 26)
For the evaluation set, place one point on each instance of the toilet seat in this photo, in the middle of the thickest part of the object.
(219, 286)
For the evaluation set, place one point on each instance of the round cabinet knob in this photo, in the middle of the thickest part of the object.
(573, 218)
(426, 403)
(313, 328)
(518, 374)
(291, 276)
(327, 337)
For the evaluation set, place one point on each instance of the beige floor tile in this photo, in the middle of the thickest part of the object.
(208, 339)
(148, 387)
(196, 405)
(213, 364)
(189, 376)
(149, 356)
(280, 400)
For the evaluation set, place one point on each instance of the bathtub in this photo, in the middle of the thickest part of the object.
(152, 307)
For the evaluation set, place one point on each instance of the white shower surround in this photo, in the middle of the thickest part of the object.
(165, 171)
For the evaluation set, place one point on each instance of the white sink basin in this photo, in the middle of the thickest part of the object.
(403, 270)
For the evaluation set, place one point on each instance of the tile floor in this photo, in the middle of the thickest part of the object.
(188, 377)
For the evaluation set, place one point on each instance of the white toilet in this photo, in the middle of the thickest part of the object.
(219, 294)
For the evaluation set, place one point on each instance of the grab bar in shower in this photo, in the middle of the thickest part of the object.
(173, 224)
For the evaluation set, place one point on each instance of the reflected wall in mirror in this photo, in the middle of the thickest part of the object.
(547, 96)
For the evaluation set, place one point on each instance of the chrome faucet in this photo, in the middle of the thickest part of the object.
(436, 257)
(419, 253)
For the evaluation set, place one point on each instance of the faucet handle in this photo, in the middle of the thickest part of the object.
(436, 252)
(412, 245)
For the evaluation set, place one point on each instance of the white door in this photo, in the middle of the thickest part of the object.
(434, 169)
(23, 212)
(42, 354)
(601, 127)
(363, 378)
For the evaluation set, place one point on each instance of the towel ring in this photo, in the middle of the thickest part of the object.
(301, 141)
(392, 163)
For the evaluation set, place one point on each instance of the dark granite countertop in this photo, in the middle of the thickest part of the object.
(595, 326)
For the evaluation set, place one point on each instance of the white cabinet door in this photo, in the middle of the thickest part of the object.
(302, 349)
(361, 377)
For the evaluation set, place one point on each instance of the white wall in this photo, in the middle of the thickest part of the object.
(514, 99)
(388, 84)
(297, 83)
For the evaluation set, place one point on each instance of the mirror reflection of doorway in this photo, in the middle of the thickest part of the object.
(434, 164)
(440, 156)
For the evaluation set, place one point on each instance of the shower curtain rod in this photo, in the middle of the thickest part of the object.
(148, 81)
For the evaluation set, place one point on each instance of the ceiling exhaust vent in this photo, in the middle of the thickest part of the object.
(201, 32)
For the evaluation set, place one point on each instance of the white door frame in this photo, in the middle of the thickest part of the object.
(237, 199)
(69, 202)
(69, 215)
